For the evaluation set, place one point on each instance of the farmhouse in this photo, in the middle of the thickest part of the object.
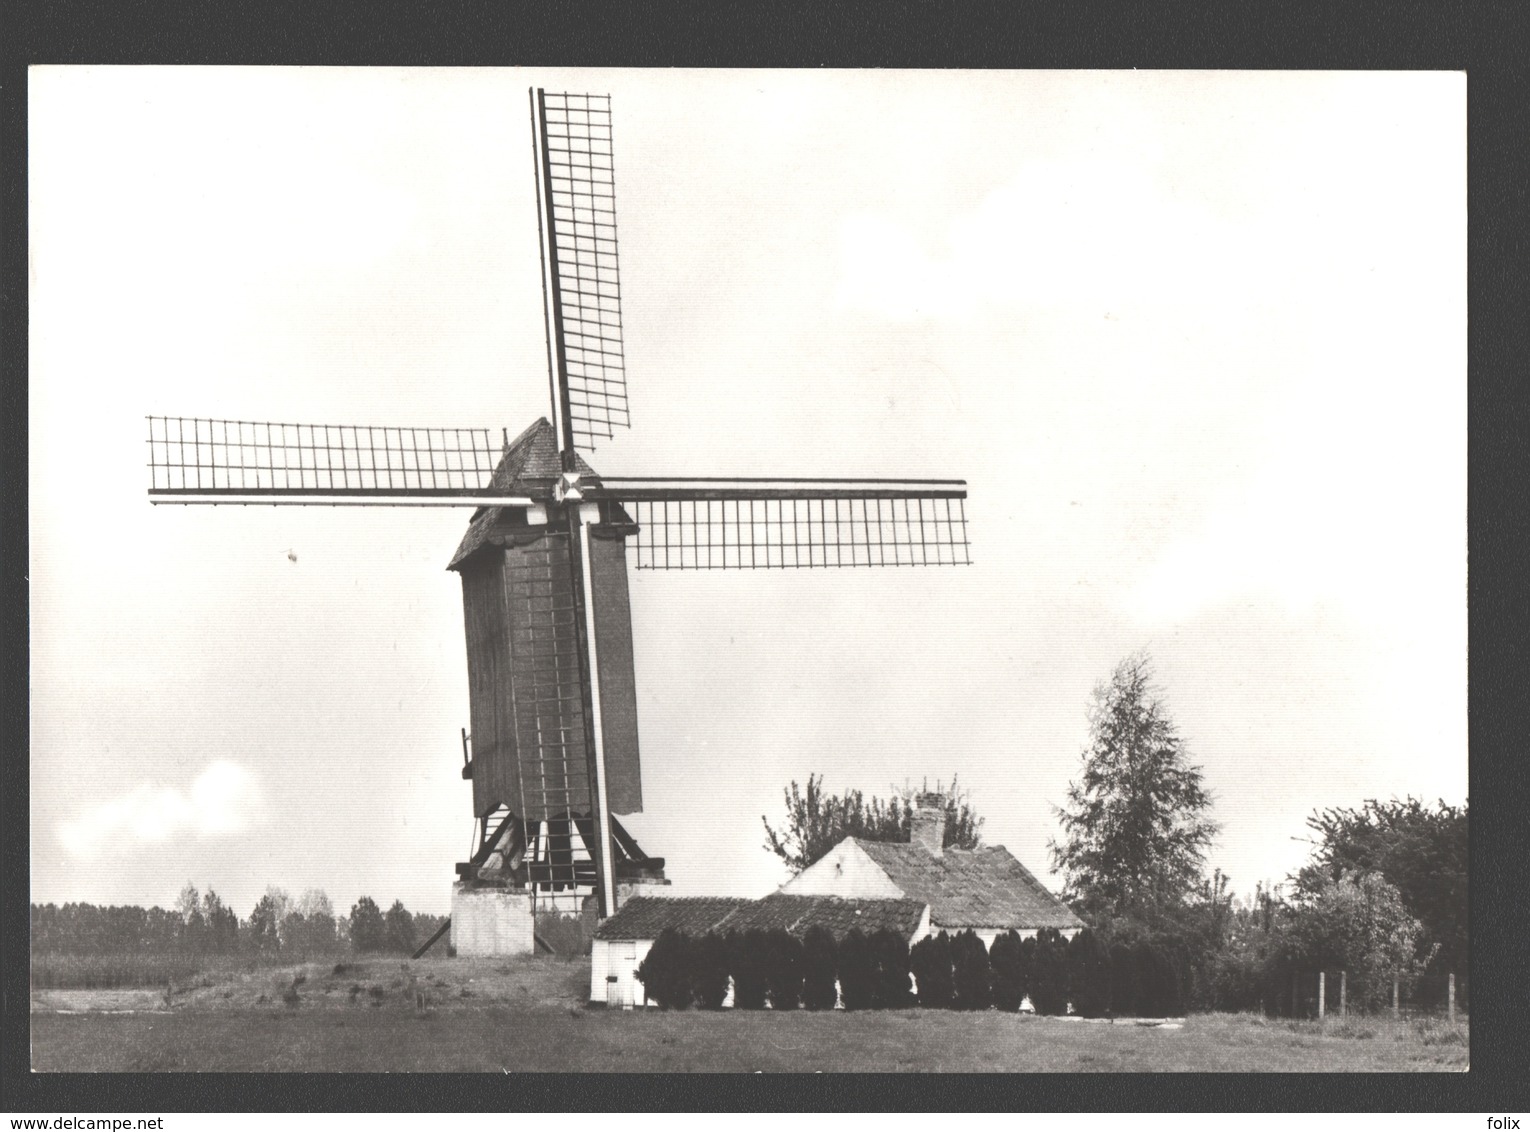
(984, 889)
(915, 889)
(622, 942)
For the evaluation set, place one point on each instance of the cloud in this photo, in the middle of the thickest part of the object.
(222, 800)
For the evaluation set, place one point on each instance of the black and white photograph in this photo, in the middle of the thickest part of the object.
(700, 571)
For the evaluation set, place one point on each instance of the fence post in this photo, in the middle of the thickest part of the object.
(1294, 985)
(1322, 988)
(1452, 996)
(1394, 996)
(1343, 994)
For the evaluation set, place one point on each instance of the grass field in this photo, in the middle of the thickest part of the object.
(528, 1015)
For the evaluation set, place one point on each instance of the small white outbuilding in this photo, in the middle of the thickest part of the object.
(621, 943)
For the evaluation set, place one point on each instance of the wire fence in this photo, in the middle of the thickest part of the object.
(1337, 993)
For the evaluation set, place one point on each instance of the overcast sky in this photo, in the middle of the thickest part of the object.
(1196, 341)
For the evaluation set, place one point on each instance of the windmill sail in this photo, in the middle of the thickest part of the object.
(195, 459)
(544, 561)
(578, 184)
(699, 524)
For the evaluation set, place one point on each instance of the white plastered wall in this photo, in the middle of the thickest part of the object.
(617, 958)
(845, 870)
(988, 935)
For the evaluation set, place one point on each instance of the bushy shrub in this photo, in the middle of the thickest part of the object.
(1049, 977)
(890, 962)
(1361, 924)
(1158, 994)
(1008, 978)
(1179, 985)
(1089, 974)
(930, 961)
(971, 974)
(783, 976)
(820, 960)
(749, 964)
(1123, 980)
(665, 971)
(709, 971)
(857, 971)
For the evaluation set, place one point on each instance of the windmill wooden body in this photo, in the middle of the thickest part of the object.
(544, 563)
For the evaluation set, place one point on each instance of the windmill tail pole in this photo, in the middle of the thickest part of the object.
(431, 942)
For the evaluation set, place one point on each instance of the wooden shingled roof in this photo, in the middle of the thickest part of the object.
(644, 917)
(529, 467)
(977, 888)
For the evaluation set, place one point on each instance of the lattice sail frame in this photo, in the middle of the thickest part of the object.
(199, 455)
(800, 532)
(682, 524)
(581, 188)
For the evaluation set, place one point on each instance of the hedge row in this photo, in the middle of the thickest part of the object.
(950, 972)
(681, 971)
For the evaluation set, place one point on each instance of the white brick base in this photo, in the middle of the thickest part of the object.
(491, 921)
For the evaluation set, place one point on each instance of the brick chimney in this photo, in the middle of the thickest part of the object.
(929, 824)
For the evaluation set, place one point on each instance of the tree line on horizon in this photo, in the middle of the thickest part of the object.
(201, 924)
(1384, 894)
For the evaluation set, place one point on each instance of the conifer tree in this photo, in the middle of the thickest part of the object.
(890, 958)
(1136, 830)
(709, 971)
(971, 973)
(930, 960)
(1008, 977)
(1049, 977)
(820, 959)
(857, 971)
(1028, 968)
(1089, 974)
(784, 980)
(749, 959)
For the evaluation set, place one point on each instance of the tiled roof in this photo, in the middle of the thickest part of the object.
(530, 467)
(977, 888)
(644, 917)
(839, 915)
